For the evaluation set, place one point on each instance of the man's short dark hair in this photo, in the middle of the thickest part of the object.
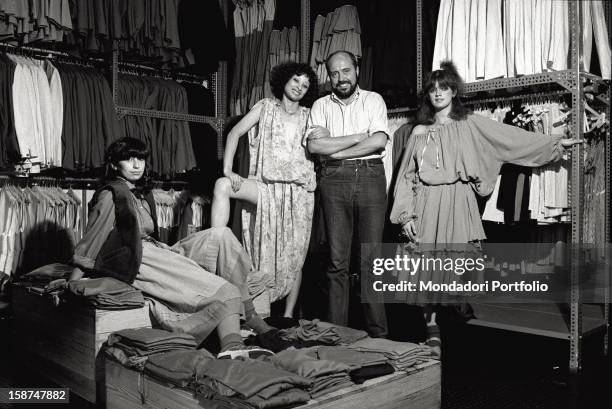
(347, 53)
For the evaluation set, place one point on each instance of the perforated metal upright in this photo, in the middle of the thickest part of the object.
(221, 90)
(608, 11)
(304, 30)
(419, 44)
(576, 187)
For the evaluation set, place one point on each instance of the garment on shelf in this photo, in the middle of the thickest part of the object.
(327, 375)
(27, 21)
(144, 342)
(179, 213)
(523, 194)
(402, 355)
(259, 383)
(395, 123)
(338, 30)
(176, 367)
(37, 103)
(507, 38)
(252, 28)
(90, 122)
(146, 28)
(9, 144)
(170, 140)
(105, 293)
(323, 333)
(38, 227)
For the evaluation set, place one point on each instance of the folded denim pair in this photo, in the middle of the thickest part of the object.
(106, 293)
(149, 341)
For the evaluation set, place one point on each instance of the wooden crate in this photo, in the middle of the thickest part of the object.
(62, 343)
(127, 389)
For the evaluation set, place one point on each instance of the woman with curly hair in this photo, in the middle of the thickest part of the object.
(279, 191)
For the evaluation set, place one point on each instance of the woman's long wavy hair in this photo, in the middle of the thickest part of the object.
(446, 76)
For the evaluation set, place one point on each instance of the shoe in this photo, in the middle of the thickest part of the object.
(436, 347)
(242, 351)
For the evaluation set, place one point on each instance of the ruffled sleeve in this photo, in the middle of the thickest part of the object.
(499, 143)
(404, 193)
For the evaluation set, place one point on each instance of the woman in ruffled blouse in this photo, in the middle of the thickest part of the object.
(279, 192)
(452, 156)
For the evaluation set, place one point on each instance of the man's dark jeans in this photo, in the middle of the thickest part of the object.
(353, 198)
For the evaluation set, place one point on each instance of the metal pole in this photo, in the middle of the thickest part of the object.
(419, 44)
(221, 88)
(304, 30)
(575, 24)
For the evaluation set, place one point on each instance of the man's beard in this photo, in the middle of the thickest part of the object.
(345, 94)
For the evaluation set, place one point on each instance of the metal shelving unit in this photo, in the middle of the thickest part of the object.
(572, 81)
(219, 88)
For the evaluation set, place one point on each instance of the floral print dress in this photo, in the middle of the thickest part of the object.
(276, 232)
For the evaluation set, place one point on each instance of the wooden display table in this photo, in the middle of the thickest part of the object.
(419, 389)
(62, 343)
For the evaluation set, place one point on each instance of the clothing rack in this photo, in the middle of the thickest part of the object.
(516, 97)
(128, 68)
(217, 122)
(400, 111)
(219, 89)
(79, 183)
(60, 56)
(20, 49)
(572, 81)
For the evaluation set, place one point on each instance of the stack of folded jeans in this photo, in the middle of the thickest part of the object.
(132, 347)
(259, 383)
(402, 355)
(275, 340)
(327, 375)
(324, 333)
(362, 365)
(106, 293)
(176, 367)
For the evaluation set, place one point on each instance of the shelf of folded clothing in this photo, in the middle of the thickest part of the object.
(61, 343)
(418, 387)
(549, 320)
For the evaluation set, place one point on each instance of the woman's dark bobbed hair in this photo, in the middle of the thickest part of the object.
(124, 149)
(282, 73)
(446, 76)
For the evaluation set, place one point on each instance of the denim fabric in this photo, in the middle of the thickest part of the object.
(176, 367)
(149, 341)
(354, 359)
(353, 198)
(200, 324)
(247, 378)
